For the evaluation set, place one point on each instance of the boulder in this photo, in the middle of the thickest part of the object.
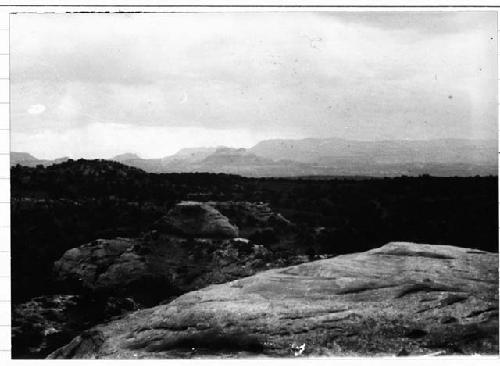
(197, 219)
(156, 266)
(400, 299)
(103, 264)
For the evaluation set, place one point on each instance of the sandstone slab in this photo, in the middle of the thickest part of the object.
(400, 299)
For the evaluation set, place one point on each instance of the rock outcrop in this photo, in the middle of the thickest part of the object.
(102, 264)
(197, 219)
(156, 267)
(400, 299)
(46, 323)
(194, 246)
(251, 216)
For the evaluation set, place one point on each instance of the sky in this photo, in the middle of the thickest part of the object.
(97, 85)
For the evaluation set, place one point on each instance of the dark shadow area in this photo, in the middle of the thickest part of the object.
(62, 206)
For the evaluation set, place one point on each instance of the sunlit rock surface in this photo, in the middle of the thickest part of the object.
(400, 299)
(197, 219)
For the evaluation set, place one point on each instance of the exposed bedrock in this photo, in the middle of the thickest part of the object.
(400, 299)
(192, 248)
(194, 245)
(156, 267)
(197, 219)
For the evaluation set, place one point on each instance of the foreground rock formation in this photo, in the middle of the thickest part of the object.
(400, 299)
(194, 245)
(156, 267)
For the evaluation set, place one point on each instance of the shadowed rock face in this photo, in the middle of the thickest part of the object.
(402, 298)
(156, 266)
(196, 219)
(102, 263)
(46, 323)
(191, 249)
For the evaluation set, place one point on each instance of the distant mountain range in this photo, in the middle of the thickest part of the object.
(26, 159)
(320, 157)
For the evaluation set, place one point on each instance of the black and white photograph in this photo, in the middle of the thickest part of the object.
(254, 183)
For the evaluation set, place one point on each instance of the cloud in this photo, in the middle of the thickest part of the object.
(36, 109)
(105, 140)
(355, 75)
(423, 22)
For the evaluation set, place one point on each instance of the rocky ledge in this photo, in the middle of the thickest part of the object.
(400, 299)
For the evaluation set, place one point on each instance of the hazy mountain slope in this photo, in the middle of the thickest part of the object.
(331, 151)
(224, 157)
(323, 157)
(191, 154)
(26, 159)
(305, 150)
(126, 157)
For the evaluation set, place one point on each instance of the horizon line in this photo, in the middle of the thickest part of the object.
(244, 148)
